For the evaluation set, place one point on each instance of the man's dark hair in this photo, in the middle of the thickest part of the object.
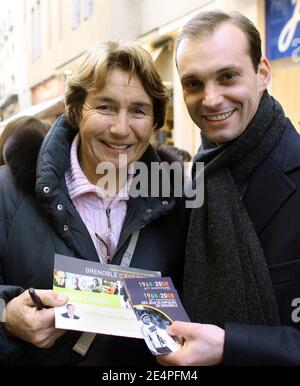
(204, 24)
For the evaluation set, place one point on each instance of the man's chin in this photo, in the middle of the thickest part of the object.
(221, 138)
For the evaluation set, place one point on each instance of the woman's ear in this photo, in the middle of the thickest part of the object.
(264, 74)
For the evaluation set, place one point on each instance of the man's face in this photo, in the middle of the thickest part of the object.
(146, 319)
(220, 86)
(71, 309)
(60, 278)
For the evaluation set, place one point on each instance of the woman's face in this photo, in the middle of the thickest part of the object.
(118, 119)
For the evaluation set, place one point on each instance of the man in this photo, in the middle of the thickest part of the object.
(242, 269)
(70, 312)
(157, 339)
(59, 279)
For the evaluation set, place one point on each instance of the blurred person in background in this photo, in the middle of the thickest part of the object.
(19, 130)
(174, 154)
(114, 101)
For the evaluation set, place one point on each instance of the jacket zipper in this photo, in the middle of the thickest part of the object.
(120, 246)
(109, 224)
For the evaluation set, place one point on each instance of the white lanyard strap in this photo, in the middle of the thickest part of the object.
(127, 257)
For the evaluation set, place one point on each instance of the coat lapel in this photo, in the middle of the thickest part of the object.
(270, 186)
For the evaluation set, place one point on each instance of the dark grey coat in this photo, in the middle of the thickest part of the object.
(272, 200)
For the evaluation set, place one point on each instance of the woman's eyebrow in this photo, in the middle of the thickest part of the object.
(102, 98)
(106, 99)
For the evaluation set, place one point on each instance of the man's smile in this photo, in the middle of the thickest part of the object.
(218, 117)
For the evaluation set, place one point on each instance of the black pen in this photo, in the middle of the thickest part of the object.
(36, 299)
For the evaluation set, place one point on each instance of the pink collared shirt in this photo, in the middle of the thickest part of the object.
(96, 211)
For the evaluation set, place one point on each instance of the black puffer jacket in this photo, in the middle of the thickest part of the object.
(32, 230)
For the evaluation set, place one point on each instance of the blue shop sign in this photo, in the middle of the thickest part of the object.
(282, 28)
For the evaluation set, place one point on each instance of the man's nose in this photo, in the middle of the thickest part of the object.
(120, 126)
(212, 96)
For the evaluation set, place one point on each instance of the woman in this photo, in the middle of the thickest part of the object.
(113, 103)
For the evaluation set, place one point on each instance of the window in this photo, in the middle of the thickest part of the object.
(75, 13)
(88, 8)
(33, 47)
(36, 31)
(50, 4)
(60, 19)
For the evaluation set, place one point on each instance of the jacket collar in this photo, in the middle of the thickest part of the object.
(54, 156)
(270, 185)
(287, 153)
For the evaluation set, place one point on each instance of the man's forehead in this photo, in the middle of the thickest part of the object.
(211, 57)
(225, 34)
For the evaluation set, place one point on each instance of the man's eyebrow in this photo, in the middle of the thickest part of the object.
(188, 77)
(228, 67)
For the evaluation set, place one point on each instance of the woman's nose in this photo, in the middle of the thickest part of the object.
(120, 126)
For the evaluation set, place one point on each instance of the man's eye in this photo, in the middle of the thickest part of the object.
(191, 84)
(229, 76)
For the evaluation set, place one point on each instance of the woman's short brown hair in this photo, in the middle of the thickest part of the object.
(94, 68)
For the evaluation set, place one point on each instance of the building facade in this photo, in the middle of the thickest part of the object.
(14, 92)
(57, 33)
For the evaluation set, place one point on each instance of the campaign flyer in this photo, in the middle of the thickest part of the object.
(98, 302)
(156, 304)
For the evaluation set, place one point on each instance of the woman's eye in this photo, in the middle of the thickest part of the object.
(139, 112)
(104, 108)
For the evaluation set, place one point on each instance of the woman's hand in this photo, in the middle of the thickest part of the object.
(204, 345)
(25, 322)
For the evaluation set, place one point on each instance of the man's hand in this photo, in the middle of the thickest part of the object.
(204, 345)
(24, 321)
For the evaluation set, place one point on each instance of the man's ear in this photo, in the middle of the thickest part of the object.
(264, 74)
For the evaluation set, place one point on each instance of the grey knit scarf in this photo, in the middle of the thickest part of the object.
(226, 278)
